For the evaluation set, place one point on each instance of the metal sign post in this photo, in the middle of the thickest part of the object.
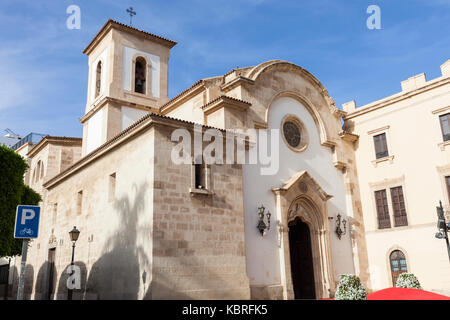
(23, 265)
(26, 228)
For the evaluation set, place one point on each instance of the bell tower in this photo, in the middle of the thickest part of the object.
(128, 77)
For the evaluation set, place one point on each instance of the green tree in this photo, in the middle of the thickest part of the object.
(12, 193)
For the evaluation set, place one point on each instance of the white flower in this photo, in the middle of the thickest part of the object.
(350, 288)
(408, 280)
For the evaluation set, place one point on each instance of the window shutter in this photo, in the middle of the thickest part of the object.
(382, 210)
(381, 149)
(398, 204)
(447, 182)
(445, 126)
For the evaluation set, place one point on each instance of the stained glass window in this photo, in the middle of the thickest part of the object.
(292, 134)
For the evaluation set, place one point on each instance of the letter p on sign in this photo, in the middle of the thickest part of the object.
(27, 222)
(27, 214)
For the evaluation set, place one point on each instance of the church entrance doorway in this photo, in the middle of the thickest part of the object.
(302, 268)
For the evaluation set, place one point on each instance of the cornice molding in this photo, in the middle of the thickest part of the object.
(397, 98)
(120, 102)
(53, 140)
(437, 111)
(225, 101)
(182, 97)
(378, 130)
(111, 24)
(347, 136)
(238, 81)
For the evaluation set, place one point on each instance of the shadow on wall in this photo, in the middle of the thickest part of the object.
(29, 280)
(42, 281)
(12, 287)
(62, 289)
(59, 291)
(117, 273)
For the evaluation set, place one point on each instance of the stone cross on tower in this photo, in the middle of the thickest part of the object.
(131, 13)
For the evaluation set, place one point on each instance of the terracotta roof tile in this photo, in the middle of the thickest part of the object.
(224, 97)
(169, 43)
(117, 137)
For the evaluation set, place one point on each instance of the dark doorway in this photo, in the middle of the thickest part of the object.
(302, 269)
(4, 280)
(51, 273)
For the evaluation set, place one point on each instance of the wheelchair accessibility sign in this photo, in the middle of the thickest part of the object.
(27, 222)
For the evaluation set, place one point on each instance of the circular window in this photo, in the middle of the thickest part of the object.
(294, 133)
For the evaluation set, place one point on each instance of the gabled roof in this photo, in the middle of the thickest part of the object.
(303, 175)
(123, 27)
(140, 124)
(55, 140)
(225, 100)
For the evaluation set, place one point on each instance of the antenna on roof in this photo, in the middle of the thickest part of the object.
(131, 13)
(12, 134)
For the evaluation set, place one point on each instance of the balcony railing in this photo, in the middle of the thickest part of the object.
(31, 137)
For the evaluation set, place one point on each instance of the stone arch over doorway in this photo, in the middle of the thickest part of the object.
(302, 199)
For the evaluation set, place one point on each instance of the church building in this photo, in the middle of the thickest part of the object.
(354, 192)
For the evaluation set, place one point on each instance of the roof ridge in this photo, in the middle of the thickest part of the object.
(140, 30)
(111, 22)
(223, 96)
(46, 138)
(118, 136)
(180, 94)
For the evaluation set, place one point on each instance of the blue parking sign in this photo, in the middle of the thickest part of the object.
(27, 222)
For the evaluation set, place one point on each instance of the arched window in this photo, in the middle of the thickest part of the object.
(37, 171)
(98, 79)
(42, 170)
(199, 173)
(140, 75)
(398, 265)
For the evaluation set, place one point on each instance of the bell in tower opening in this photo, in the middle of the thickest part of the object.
(140, 75)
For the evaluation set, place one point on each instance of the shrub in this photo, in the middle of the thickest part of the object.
(350, 288)
(408, 280)
(12, 193)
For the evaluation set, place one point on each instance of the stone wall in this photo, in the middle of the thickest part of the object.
(114, 247)
(198, 248)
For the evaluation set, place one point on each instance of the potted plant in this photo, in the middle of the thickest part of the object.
(350, 288)
(408, 280)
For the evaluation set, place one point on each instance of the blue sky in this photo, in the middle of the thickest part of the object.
(43, 73)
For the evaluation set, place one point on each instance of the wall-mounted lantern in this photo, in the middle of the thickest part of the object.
(339, 230)
(262, 227)
(443, 227)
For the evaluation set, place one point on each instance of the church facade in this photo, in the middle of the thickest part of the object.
(152, 228)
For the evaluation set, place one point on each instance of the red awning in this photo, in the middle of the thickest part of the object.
(405, 294)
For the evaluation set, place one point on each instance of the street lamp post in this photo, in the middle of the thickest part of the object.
(74, 233)
(443, 227)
